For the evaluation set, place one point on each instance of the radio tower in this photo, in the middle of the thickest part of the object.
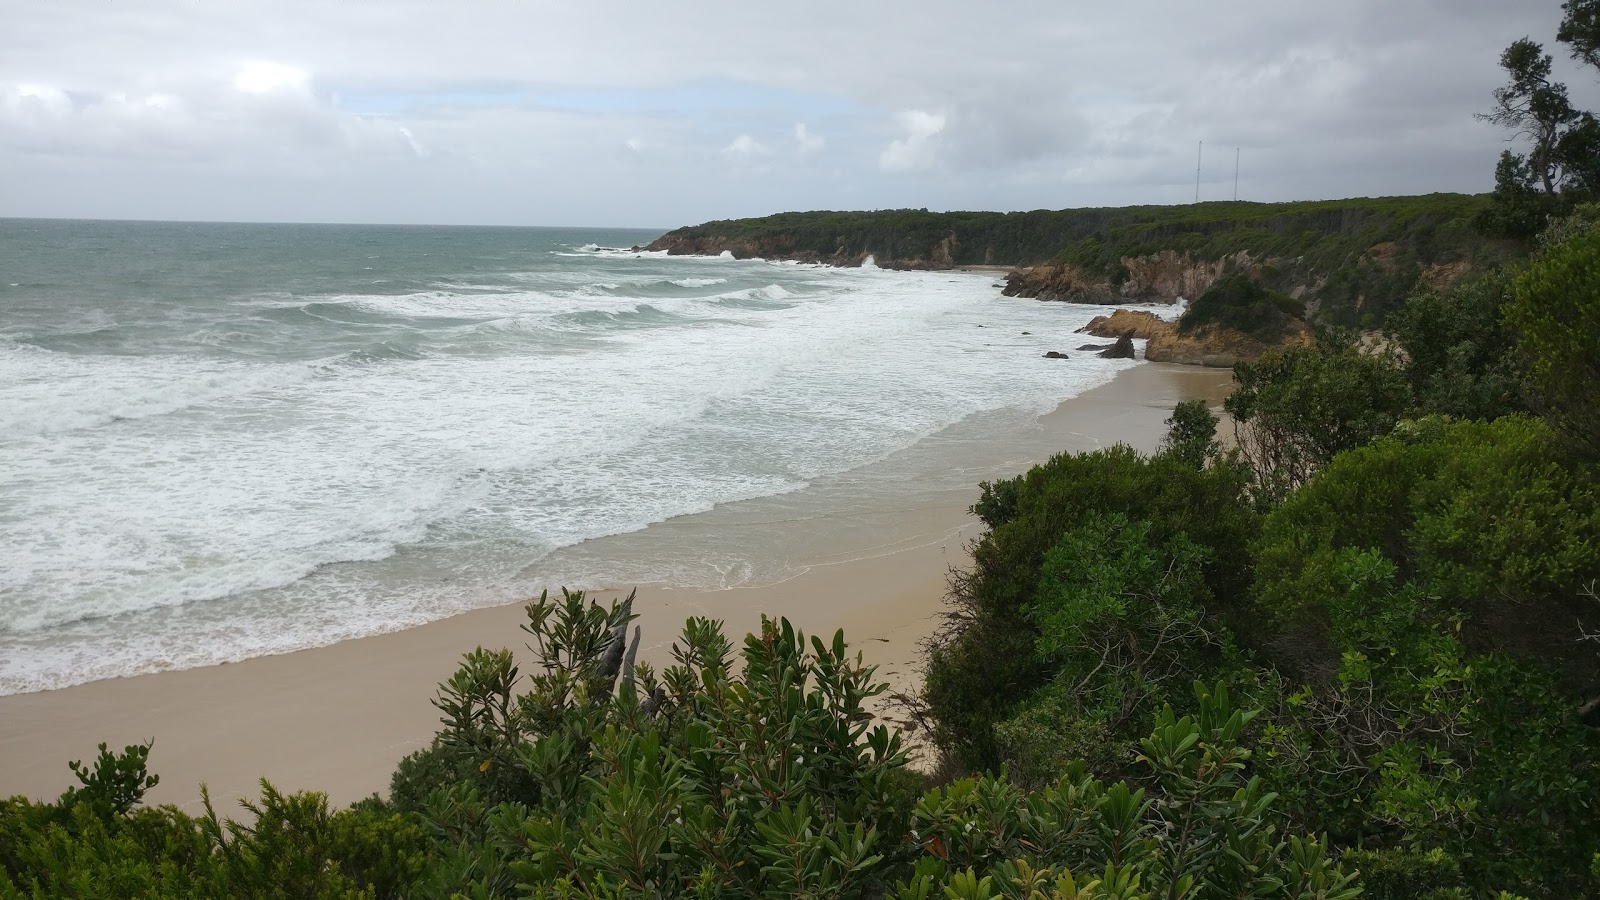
(1199, 160)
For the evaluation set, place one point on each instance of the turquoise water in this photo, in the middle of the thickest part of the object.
(219, 441)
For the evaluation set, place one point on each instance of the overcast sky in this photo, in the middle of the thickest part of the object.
(667, 113)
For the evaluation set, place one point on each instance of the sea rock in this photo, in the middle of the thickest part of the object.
(1143, 325)
(1122, 349)
(1095, 348)
(1053, 354)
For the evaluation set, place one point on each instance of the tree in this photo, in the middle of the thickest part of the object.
(1562, 165)
(1534, 107)
(1580, 30)
(1293, 411)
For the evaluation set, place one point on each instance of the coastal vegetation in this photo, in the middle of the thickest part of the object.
(1355, 651)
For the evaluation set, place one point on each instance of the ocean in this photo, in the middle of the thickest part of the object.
(219, 441)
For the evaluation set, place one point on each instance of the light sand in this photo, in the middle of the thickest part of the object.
(338, 718)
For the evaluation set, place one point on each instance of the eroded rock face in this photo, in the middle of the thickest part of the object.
(1157, 278)
(1209, 345)
(1217, 347)
(1134, 323)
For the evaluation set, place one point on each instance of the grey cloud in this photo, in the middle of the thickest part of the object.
(1026, 104)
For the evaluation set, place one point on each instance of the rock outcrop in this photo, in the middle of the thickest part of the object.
(1215, 346)
(1208, 345)
(1055, 354)
(1134, 323)
(1122, 349)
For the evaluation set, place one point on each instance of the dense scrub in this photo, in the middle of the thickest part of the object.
(772, 781)
(1241, 303)
(1396, 562)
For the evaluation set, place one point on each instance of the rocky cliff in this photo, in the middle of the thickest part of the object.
(1156, 278)
(1351, 261)
(1209, 345)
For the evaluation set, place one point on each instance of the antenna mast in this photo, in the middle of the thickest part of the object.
(1236, 174)
(1199, 160)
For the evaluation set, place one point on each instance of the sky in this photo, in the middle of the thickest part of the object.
(525, 112)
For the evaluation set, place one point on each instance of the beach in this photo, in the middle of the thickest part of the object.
(338, 718)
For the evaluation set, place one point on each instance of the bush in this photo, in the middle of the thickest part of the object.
(1460, 359)
(1238, 302)
(1425, 591)
(1295, 410)
(1556, 314)
(990, 659)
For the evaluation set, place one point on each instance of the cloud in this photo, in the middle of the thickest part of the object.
(918, 149)
(807, 144)
(264, 77)
(746, 148)
(418, 111)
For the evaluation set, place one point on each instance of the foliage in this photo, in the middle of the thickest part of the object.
(1241, 303)
(771, 783)
(1426, 592)
(1562, 164)
(294, 847)
(1483, 517)
(990, 658)
(1204, 830)
(1457, 356)
(1191, 433)
(117, 783)
(1556, 315)
(1294, 410)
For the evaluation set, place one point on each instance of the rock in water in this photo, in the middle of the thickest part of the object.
(1095, 348)
(1053, 354)
(1122, 349)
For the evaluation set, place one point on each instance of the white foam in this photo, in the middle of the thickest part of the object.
(286, 513)
(697, 282)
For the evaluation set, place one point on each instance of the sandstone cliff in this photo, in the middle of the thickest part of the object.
(1208, 345)
(1155, 278)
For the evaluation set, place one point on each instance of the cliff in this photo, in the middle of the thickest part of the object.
(1156, 278)
(1350, 260)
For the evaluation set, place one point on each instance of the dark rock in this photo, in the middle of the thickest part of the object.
(1027, 332)
(1095, 348)
(1122, 349)
(1055, 355)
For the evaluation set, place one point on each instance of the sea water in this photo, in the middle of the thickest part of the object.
(221, 440)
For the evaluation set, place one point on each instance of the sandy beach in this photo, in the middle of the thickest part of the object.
(338, 718)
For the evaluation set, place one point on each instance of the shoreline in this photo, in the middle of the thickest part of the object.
(338, 718)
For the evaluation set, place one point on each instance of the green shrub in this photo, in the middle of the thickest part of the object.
(1425, 591)
(991, 658)
(1238, 302)
(1556, 314)
(1459, 358)
(1295, 410)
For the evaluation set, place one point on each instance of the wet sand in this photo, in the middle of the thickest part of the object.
(337, 719)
